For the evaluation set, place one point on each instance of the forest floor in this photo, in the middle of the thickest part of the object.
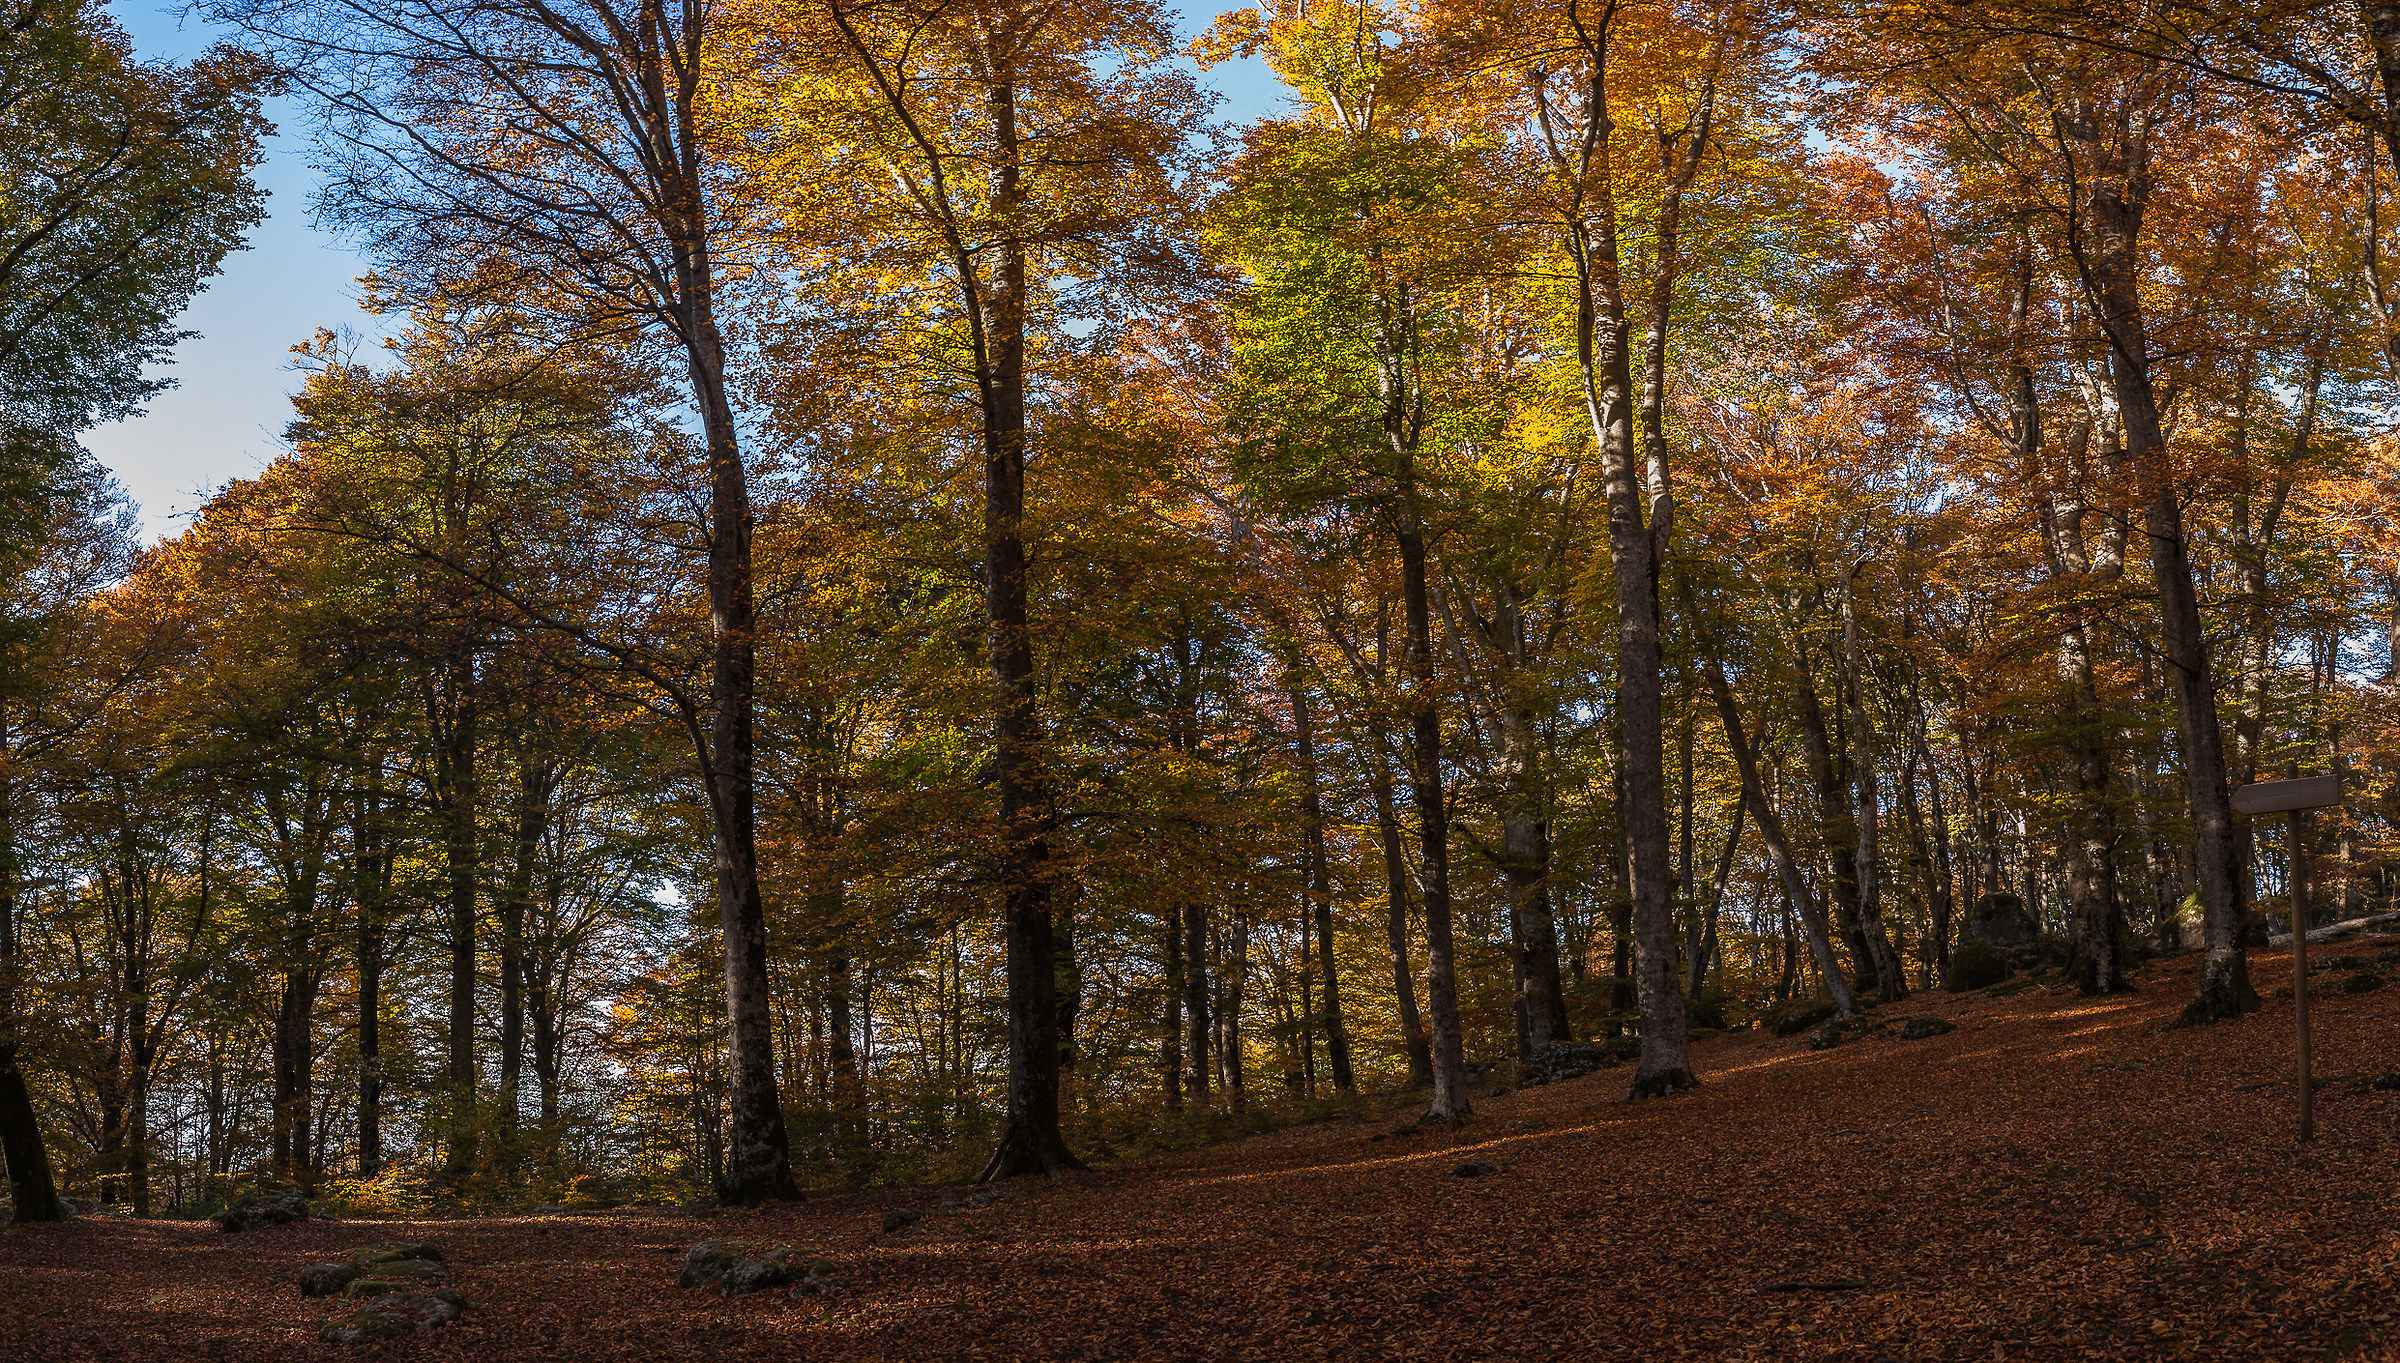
(2057, 1178)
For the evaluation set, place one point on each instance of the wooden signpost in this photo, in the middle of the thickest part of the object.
(2295, 798)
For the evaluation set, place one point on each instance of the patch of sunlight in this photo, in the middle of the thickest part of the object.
(1420, 1157)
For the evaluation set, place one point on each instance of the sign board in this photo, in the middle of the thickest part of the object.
(2274, 797)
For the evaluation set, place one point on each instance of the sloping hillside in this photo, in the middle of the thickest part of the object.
(2055, 1178)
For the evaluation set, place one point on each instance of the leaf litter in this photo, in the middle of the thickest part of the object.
(2057, 1178)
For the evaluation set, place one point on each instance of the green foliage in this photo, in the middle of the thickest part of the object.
(122, 187)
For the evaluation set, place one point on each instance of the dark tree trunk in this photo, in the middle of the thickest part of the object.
(1525, 862)
(1395, 878)
(1450, 1101)
(1170, 1041)
(1837, 825)
(1195, 1001)
(33, 1189)
(2111, 141)
(293, 1060)
(849, 1092)
(451, 704)
(371, 877)
(1032, 1142)
(1320, 888)
(534, 782)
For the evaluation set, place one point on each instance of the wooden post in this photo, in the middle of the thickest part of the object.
(2299, 892)
(2295, 796)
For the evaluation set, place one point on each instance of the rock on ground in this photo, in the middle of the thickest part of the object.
(250, 1213)
(395, 1314)
(727, 1267)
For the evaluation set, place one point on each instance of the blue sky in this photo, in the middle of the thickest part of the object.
(225, 417)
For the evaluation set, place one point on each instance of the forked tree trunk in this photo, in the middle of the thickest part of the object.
(1633, 553)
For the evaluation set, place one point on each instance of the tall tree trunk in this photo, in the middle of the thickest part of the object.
(1195, 1001)
(1634, 554)
(293, 1053)
(534, 782)
(33, 1189)
(759, 1167)
(371, 879)
(451, 705)
(1525, 862)
(1320, 887)
(2112, 142)
(1770, 828)
(1891, 977)
(1413, 1037)
(1450, 1101)
(1170, 1041)
(1031, 1142)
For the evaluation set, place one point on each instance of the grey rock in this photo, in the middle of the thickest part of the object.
(392, 1251)
(757, 1275)
(948, 1208)
(395, 1314)
(900, 1218)
(327, 1280)
(1798, 1016)
(723, 1265)
(706, 1264)
(1575, 1059)
(1473, 1169)
(1917, 1029)
(252, 1213)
